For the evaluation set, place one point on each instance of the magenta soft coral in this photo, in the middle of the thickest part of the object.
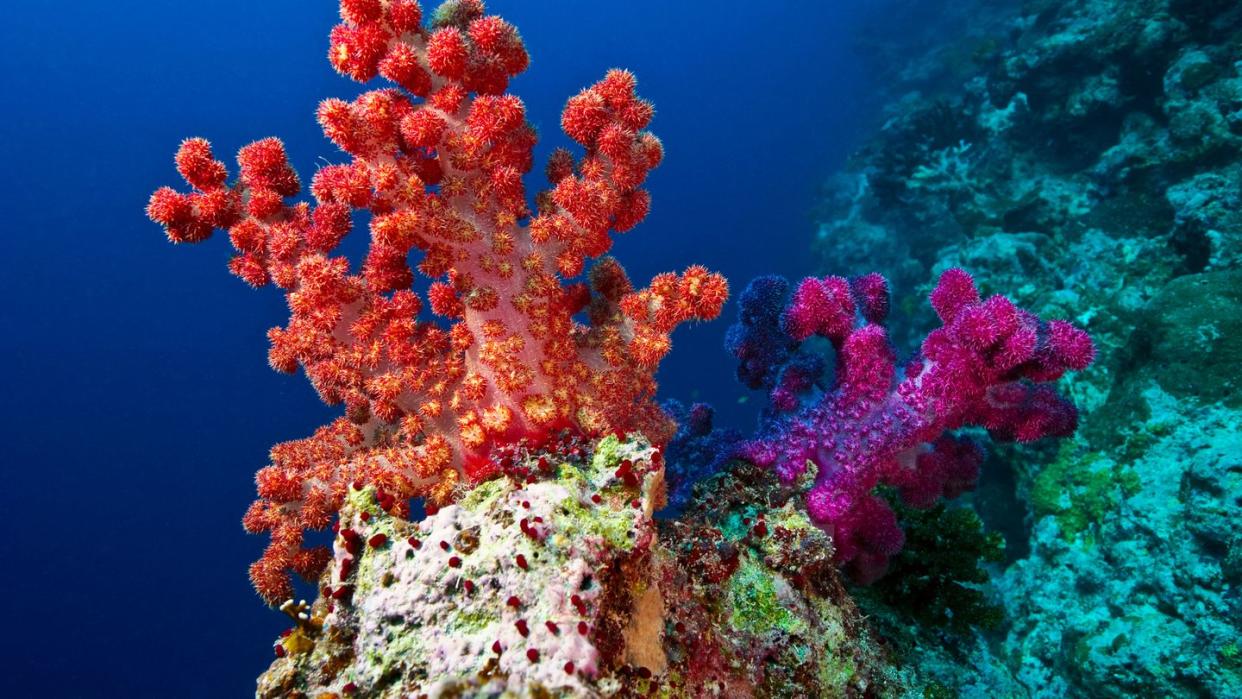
(988, 365)
(438, 162)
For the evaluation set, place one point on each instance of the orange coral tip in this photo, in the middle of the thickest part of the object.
(169, 207)
(617, 87)
(422, 128)
(404, 16)
(356, 51)
(631, 210)
(583, 117)
(402, 67)
(249, 268)
(361, 11)
(197, 165)
(264, 165)
(447, 53)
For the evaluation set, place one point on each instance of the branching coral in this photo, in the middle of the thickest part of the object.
(696, 452)
(989, 365)
(438, 162)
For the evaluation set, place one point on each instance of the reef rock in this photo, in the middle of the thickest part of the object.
(556, 580)
(1085, 158)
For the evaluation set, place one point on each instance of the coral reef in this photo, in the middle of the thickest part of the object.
(555, 580)
(1088, 164)
(1127, 622)
(526, 426)
(532, 438)
(441, 175)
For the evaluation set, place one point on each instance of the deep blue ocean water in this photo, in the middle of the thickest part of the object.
(137, 401)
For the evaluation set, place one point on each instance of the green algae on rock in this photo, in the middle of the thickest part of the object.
(561, 583)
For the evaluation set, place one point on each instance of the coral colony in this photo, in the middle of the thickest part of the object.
(530, 408)
(424, 405)
(989, 365)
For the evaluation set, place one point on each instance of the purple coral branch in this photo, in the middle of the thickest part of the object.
(988, 365)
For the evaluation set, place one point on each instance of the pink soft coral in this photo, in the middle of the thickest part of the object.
(988, 365)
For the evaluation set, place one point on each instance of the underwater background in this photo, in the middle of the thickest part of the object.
(1084, 158)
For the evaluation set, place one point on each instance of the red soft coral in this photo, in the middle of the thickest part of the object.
(442, 176)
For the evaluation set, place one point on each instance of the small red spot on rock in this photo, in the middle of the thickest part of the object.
(522, 628)
(280, 651)
(365, 516)
(384, 500)
(378, 540)
(352, 541)
(444, 545)
(569, 668)
(596, 499)
(415, 543)
(521, 562)
(552, 627)
(513, 601)
(349, 688)
(583, 628)
(469, 585)
(454, 562)
(532, 655)
(496, 647)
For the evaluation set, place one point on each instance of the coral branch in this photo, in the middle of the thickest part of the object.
(988, 365)
(441, 175)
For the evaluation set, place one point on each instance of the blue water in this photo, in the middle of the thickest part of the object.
(137, 401)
